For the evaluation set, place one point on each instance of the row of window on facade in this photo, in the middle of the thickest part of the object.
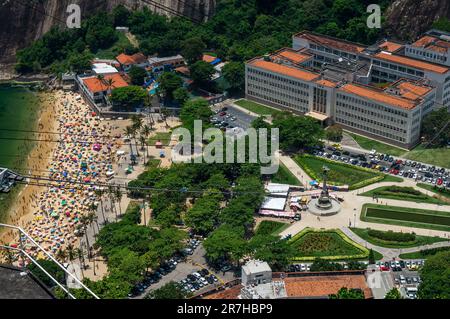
(360, 126)
(427, 54)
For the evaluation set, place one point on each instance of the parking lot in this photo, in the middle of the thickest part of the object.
(404, 275)
(232, 116)
(189, 270)
(390, 165)
(228, 116)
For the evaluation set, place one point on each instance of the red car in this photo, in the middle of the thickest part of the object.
(384, 268)
(439, 181)
(222, 113)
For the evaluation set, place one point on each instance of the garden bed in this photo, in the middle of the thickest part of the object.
(382, 242)
(340, 173)
(402, 193)
(410, 217)
(327, 244)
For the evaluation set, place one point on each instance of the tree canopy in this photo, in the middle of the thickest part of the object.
(435, 276)
(128, 98)
(137, 75)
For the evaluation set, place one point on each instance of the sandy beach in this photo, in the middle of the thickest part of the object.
(38, 160)
(80, 158)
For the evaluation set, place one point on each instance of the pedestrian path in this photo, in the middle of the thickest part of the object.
(391, 253)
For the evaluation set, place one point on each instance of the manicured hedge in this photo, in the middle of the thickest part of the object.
(392, 236)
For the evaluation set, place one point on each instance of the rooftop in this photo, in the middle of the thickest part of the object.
(321, 286)
(254, 266)
(410, 90)
(164, 59)
(433, 43)
(390, 46)
(292, 55)
(372, 93)
(412, 62)
(103, 68)
(94, 84)
(285, 70)
(331, 42)
(136, 58)
(15, 285)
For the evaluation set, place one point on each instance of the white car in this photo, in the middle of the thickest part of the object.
(308, 267)
(302, 267)
(196, 274)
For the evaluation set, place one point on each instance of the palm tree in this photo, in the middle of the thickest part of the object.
(137, 122)
(61, 255)
(118, 195)
(129, 132)
(99, 192)
(145, 131)
(85, 222)
(109, 83)
(80, 254)
(111, 194)
(143, 141)
(71, 253)
(165, 112)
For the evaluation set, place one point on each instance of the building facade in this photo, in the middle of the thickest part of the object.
(375, 91)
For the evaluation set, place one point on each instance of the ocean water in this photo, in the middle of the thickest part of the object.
(19, 110)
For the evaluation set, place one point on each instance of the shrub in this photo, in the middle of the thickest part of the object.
(392, 236)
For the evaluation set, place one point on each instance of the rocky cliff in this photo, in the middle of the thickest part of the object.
(407, 19)
(23, 21)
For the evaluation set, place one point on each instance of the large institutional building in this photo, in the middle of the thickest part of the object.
(382, 91)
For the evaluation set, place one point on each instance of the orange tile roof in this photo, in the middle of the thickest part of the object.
(412, 91)
(285, 70)
(331, 42)
(95, 85)
(229, 293)
(378, 95)
(412, 63)
(131, 59)
(437, 48)
(292, 55)
(424, 41)
(327, 83)
(390, 46)
(208, 58)
(320, 286)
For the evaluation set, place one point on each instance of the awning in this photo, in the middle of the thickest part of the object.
(317, 116)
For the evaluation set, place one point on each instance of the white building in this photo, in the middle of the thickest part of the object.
(103, 68)
(256, 272)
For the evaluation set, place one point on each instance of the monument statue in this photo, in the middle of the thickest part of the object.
(324, 205)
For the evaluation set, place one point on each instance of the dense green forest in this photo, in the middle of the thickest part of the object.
(239, 30)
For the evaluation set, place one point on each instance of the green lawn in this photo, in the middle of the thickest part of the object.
(270, 227)
(115, 49)
(164, 137)
(328, 244)
(419, 241)
(256, 107)
(284, 176)
(410, 217)
(434, 156)
(439, 191)
(380, 147)
(423, 254)
(402, 193)
(152, 163)
(339, 174)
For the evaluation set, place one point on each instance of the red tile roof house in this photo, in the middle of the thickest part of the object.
(96, 90)
(127, 61)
